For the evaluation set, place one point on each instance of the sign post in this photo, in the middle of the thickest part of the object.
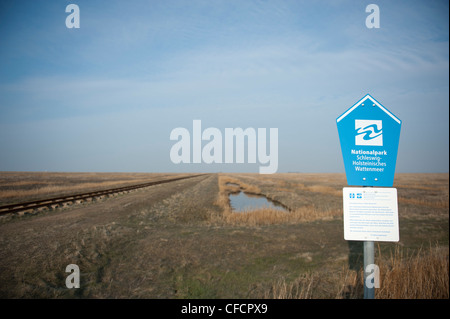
(369, 136)
(369, 259)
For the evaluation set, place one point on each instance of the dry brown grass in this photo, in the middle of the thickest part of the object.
(23, 186)
(55, 189)
(420, 275)
(426, 190)
(267, 216)
(320, 189)
(423, 202)
(300, 288)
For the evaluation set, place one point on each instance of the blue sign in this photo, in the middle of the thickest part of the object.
(369, 136)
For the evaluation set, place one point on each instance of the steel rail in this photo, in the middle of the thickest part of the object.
(12, 208)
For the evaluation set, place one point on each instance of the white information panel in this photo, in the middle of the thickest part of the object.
(370, 214)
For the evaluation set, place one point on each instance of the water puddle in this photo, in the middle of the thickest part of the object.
(245, 202)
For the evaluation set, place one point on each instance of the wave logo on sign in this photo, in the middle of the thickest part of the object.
(369, 132)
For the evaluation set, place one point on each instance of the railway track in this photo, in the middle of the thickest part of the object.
(54, 202)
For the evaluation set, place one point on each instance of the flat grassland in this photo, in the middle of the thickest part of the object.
(182, 240)
(20, 187)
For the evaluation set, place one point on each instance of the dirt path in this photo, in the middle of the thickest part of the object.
(36, 249)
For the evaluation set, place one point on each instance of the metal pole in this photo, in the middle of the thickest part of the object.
(369, 259)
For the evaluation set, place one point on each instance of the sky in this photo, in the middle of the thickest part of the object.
(106, 96)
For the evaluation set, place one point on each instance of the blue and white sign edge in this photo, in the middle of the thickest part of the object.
(368, 96)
